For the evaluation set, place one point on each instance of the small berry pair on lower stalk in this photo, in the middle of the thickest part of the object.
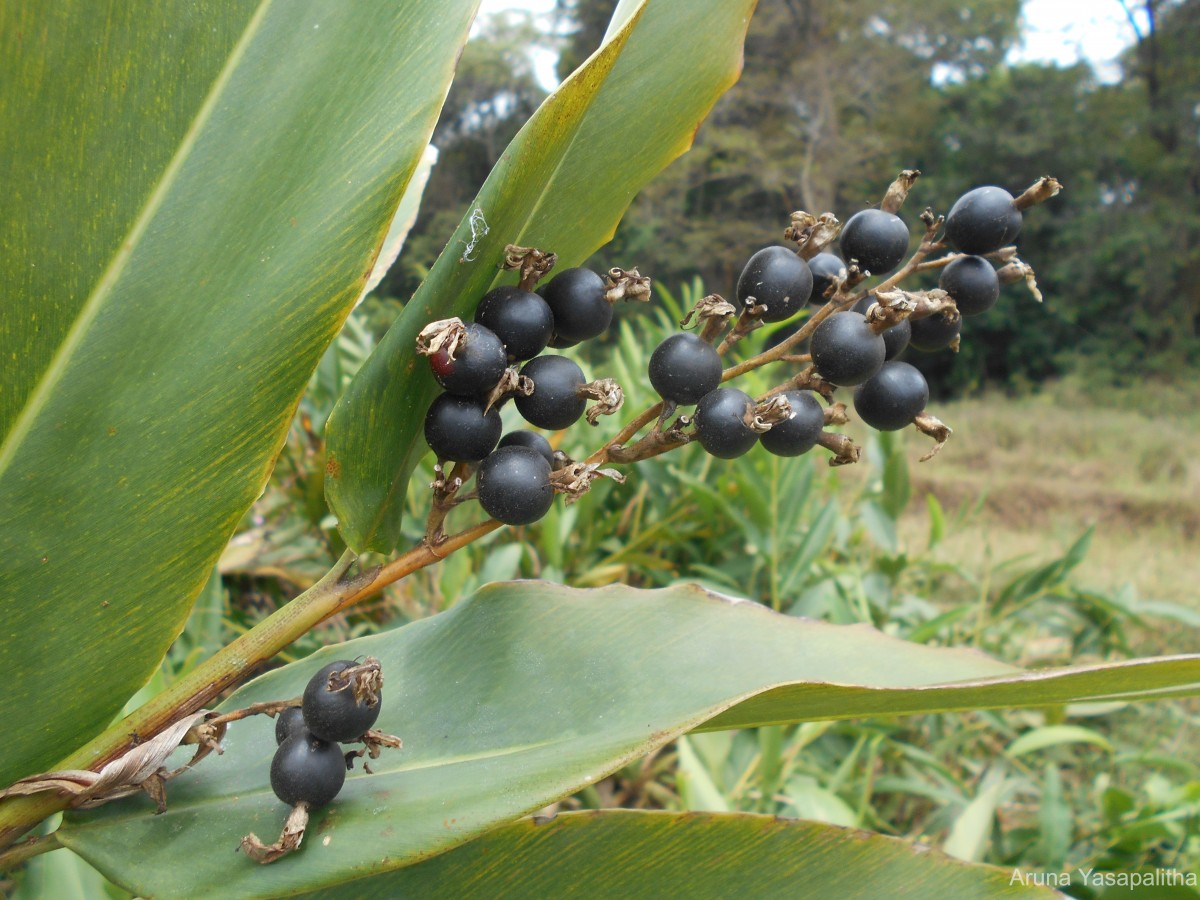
(341, 703)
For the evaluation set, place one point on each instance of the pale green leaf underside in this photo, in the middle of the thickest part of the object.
(195, 192)
(529, 691)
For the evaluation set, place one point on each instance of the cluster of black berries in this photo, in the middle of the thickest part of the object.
(476, 365)
(850, 347)
(853, 341)
(857, 347)
(309, 766)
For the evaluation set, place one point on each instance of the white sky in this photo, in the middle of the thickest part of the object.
(1057, 31)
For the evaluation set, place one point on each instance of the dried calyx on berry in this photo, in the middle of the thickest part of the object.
(342, 701)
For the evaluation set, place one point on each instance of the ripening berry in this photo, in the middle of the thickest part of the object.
(983, 220)
(576, 298)
(877, 239)
(477, 365)
(723, 420)
(973, 284)
(306, 769)
(845, 350)
(893, 397)
(555, 402)
(514, 485)
(936, 332)
(457, 428)
(520, 319)
(336, 715)
(684, 367)
(779, 280)
(799, 432)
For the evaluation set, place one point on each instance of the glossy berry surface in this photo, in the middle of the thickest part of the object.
(477, 365)
(288, 723)
(576, 298)
(936, 332)
(973, 284)
(845, 350)
(554, 403)
(520, 319)
(514, 485)
(722, 418)
(797, 434)
(306, 769)
(983, 220)
(530, 439)
(456, 428)
(778, 279)
(877, 239)
(895, 339)
(891, 399)
(336, 715)
(684, 368)
(825, 267)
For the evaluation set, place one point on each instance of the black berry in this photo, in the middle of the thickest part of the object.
(457, 428)
(576, 298)
(306, 769)
(554, 403)
(973, 284)
(287, 723)
(723, 422)
(779, 280)
(520, 319)
(477, 365)
(798, 433)
(983, 220)
(845, 350)
(877, 239)
(893, 397)
(335, 715)
(825, 267)
(530, 439)
(936, 332)
(514, 485)
(684, 368)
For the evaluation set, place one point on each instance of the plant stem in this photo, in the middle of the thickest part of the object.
(230, 666)
(27, 850)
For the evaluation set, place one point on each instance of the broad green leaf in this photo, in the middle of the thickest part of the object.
(528, 692)
(194, 195)
(1053, 736)
(626, 853)
(562, 185)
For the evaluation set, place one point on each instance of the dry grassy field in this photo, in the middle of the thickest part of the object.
(1031, 474)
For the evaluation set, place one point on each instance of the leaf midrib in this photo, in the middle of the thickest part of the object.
(40, 395)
